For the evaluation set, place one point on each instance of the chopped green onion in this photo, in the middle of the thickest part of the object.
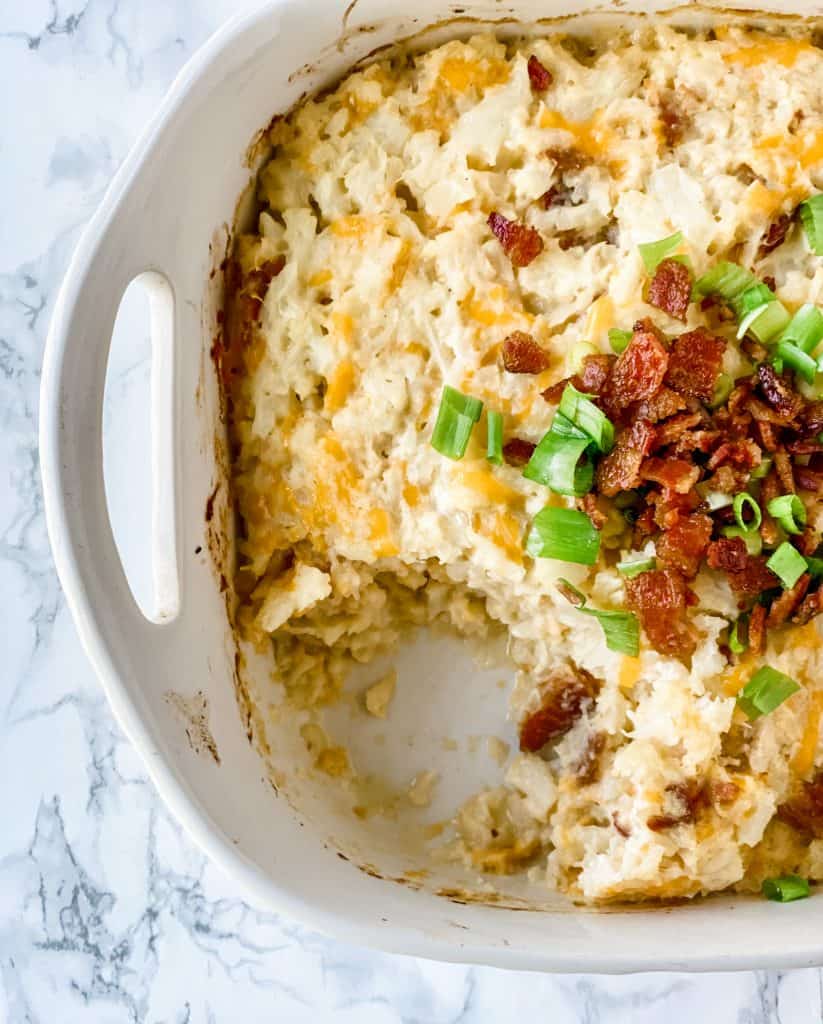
(738, 644)
(722, 389)
(556, 463)
(619, 340)
(805, 328)
(621, 629)
(494, 437)
(789, 511)
(654, 253)
(728, 280)
(632, 567)
(755, 296)
(815, 566)
(788, 564)
(585, 415)
(798, 360)
(763, 469)
(765, 322)
(565, 534)
(757, 516)
(785, 889)
(765, 691)
(456, 418)
(752, 540)
(811, 217)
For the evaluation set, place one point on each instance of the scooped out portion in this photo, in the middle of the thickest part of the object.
(526, 341)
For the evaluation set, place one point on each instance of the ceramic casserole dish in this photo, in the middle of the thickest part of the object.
(177, 683)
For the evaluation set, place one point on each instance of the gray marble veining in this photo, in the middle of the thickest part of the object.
(107, 912)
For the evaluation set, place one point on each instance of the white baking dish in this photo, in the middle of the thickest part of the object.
(295, 845)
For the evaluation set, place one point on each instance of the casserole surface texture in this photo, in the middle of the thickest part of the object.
(375, 278)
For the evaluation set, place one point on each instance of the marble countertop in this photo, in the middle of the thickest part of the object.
(107, 911)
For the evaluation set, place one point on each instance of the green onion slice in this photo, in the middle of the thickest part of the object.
(621, 629)
(765, 691)
(785, 889)
(563, 533)
(728, 280)
(619, 340)
(455, 421)
(801, 362)
(755, 296)
(765, 322)
(494, 437)
(811, 217)
(556, 463)
(805, 328)
(789, 511)
(763, 469)
(738, 643)
(815, 566)
(740, 501)
(752, 539)
(633, 566)
(788, 564)
(654, 253)
(585, 415)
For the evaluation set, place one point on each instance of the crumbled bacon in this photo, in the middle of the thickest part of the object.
(557, 195)
(743, 453)
(671, 287)
(723, 791)
(564, 698)
(786, 604)
(594, 373)
(785, 402)
(587, 769)
(694, 363)
(783, 467)
(620, 469)
(767, 435)
(775, 235)
(539, 76)
(728, 554)
(673, 429)
(521, 354)
(595, 507)
(672, 120)
(808, 479)
(683, 545)
(662, 405)
(674, 474)
(567, 158)
(640, 367)
(517, 452)
(754, 578)
(659, 598)
(521, 243)
(811, 607)
(757, 629)
(812, 418)
(804, 811)
(688, 797)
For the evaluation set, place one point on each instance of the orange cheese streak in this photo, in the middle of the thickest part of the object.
(592, 137)
(781, 51)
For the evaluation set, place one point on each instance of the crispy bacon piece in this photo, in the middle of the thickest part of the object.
(521, 354)
(743, 453)
(673, 429)
(696, 441)
(587, 769)
(620, 470)
(768, 435)
(757, 629)
(659, 598)
(809, 540)
(728, 480)
(809, 609)
(669, 506)
(557, 195)
(640, 367)
(517, 452)
(564, 698)
(804, 811)
(728, 554)
(594, 373)
(596, 508)
(783, 467)
(671, 287)
(521, 243)
(786, 604)
(694, 363)
(688, 797)
(683, 545)
(778, 394)
(672, 120)
(812, 418)
(539, 76)
(678, 475)
(722, 791)
(775, 235)
(808, 446)
(662, 405)
(567, 158)
(769, 489)
(808, 479)
(748, 574)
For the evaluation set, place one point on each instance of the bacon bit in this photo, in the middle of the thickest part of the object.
(671, 287)
(768, 435)
(778, 394)
(587, 769)
(669, 506)
(723, 791)
(760, 411)
(692, 797)
(566, 158)
(785, 605)
(521, 354)
(754, 578)
(594, 373)
(745, 454)
(811, 607)
(775, 235)
(640, 367)
(659, 598)
(557, 195)
(694, 363)
(564, 698)
(673, 429)
(696, 441)
(595, 508)
(728, 554)
(783, 466)
(804, 811)
(539, 76)
(521, 243)
(769, 489)
(808, 479)
(661, 406)
(672, 120)
(812, 418)
(673, 474)
(753, 349)
(728, 480)
(757, 629)
(808, 541)
(620, 470)
(517, 452)
(684, 543)
(811, 446)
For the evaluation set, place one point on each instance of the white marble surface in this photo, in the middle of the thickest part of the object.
(107, 912)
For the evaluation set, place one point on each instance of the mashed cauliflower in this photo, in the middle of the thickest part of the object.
(374, 280)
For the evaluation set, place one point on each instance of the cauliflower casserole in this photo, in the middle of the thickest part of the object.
(524, 342)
